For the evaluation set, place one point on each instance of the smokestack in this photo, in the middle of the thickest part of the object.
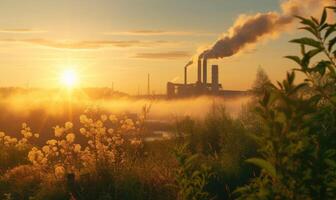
(186, 71)
(205, 69)
(215, 81)
(199, 71)
(185, 75)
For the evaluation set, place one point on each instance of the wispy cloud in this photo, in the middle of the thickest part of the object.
(90, 44)
(163, 55)
(21, 31)
(158, 33)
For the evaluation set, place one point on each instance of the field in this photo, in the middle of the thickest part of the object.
(114, 145)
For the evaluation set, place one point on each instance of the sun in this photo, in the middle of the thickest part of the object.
(69, 78)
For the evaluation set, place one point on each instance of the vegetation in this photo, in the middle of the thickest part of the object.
(281, 146)
(297, 147)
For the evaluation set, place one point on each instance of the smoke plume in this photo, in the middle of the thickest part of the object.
(252, 29)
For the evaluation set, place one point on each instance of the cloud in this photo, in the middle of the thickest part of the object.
(90, 44)
(21, 31)
(158, 33)
(163, 55)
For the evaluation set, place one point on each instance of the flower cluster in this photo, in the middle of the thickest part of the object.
(21, 143)
(60, 152)
(105, 143)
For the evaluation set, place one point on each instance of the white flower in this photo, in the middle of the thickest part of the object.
(110, 131)
(77, 148)
(70, 137)
(103, 118)
(58, 131)
(52, 142)
(2, 134)
(83, 119)
(59, 171)
(113, 118)
(24, 125)
(68, 125)
(82, 131)
(46, 149)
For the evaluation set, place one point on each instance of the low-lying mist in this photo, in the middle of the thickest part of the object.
(43, 110)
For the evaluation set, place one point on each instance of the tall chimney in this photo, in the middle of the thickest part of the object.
(214, 83)
(185, 75)
(205, 69)
(199, 71)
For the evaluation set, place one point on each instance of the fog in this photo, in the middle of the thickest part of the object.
(43, 110)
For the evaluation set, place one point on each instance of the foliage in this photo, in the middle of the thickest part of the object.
(191, 177)
(297, 145)
(221, 142)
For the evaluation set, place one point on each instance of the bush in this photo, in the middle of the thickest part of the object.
(297, 145)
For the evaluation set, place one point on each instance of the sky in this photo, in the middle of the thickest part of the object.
(121, 41)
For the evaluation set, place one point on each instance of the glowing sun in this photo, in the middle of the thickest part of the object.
(69, 78)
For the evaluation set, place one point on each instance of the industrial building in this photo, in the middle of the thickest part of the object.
(201, 87)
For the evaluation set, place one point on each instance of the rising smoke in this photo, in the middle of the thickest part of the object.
(252, 29)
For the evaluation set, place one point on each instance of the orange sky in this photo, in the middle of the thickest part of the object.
(122, 41)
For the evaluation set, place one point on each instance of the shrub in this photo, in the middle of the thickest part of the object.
(297, 145)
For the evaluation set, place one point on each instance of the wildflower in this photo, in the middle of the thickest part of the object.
(82, 131)
(83, 119)
(2, 134)
(24, 125)
(58, 131)
(46, 149)
(99, 123)
(70, 137)
(110, 131)
(52, 142)
(24, 140)
(68, 125)
(59, 171)
(103, 118)
(36, 135)
(77, 148)
(113, 118)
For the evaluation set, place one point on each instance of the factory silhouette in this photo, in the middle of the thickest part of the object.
(202, 85)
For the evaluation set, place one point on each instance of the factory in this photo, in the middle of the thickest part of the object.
(202, 85)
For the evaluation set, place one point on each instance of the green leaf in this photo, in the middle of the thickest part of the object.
(294, 58)
(314, 52)
(311, 30)
(307, 41)
(331, 7)
(308, 22)
(321, 67)
(267, 166)
(331, 43)
(306, 58)
(315, 20)
(297, 88)
(324, 16)
(323, 27)
(330, 30)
